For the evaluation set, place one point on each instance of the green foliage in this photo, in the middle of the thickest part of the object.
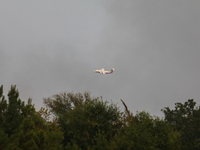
(23, 128)
(3, 106)
(185, 118)
(83, 118)
(62, 103)
(145, 132)
(3, 138)
(28, 110)
(81, 122)
(72, 147)
(13, 116)
(100, 142)
(33, 136)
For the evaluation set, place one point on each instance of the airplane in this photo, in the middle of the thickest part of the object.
(102, 71)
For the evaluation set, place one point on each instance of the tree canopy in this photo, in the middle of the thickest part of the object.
(22, 128)
(185, 118)
(78, 122)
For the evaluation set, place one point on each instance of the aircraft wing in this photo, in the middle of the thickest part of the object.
(97, 71)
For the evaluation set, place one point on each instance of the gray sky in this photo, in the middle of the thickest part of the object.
(48, 47)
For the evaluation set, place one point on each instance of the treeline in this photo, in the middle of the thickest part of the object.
(78, 122)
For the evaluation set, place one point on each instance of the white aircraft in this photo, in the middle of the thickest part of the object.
(102, 71)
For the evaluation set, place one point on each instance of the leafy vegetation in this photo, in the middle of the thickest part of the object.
(78, 122)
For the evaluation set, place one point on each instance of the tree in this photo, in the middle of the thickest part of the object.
(13, 116)
(185, 118)
(82, 118)
(146, 132)
(21, 127)
(3, 106)
(62, 103)
(34, 134)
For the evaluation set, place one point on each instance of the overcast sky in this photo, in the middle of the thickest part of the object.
(49, 47)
